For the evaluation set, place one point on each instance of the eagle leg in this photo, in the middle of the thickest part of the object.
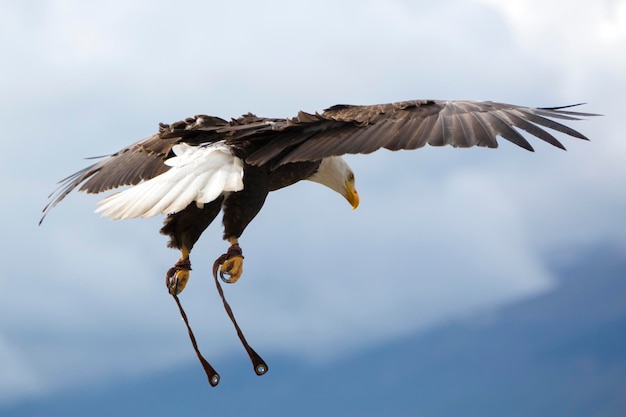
(232, 268)
(184, 229)
(177, 280)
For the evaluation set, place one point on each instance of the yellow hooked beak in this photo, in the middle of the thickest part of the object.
(352, 195)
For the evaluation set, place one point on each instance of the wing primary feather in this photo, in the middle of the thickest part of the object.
(533, 129)
(66, 186)
(540, 120)
(557, 111)
(504, 129)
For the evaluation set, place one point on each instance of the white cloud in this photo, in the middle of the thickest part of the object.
(579, 40)
(455, 232)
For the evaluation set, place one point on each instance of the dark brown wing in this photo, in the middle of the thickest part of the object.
(346, 129)
(140, 161)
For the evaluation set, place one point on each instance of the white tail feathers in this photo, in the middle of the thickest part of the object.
(197, 173)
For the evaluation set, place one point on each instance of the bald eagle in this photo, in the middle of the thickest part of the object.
(193, 169)
(196, 168)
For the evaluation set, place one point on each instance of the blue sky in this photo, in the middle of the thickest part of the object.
(440, 233)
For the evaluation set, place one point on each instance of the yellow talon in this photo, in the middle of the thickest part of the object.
(232, 268)
(181, 277)
(179, 282)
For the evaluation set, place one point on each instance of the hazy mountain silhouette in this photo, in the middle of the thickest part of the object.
(560, 354)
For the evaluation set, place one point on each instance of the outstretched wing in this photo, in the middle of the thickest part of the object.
(344, 129)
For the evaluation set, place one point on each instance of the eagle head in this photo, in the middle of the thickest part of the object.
(336, 174)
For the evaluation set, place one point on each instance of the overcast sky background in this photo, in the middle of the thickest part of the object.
(440, 234)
